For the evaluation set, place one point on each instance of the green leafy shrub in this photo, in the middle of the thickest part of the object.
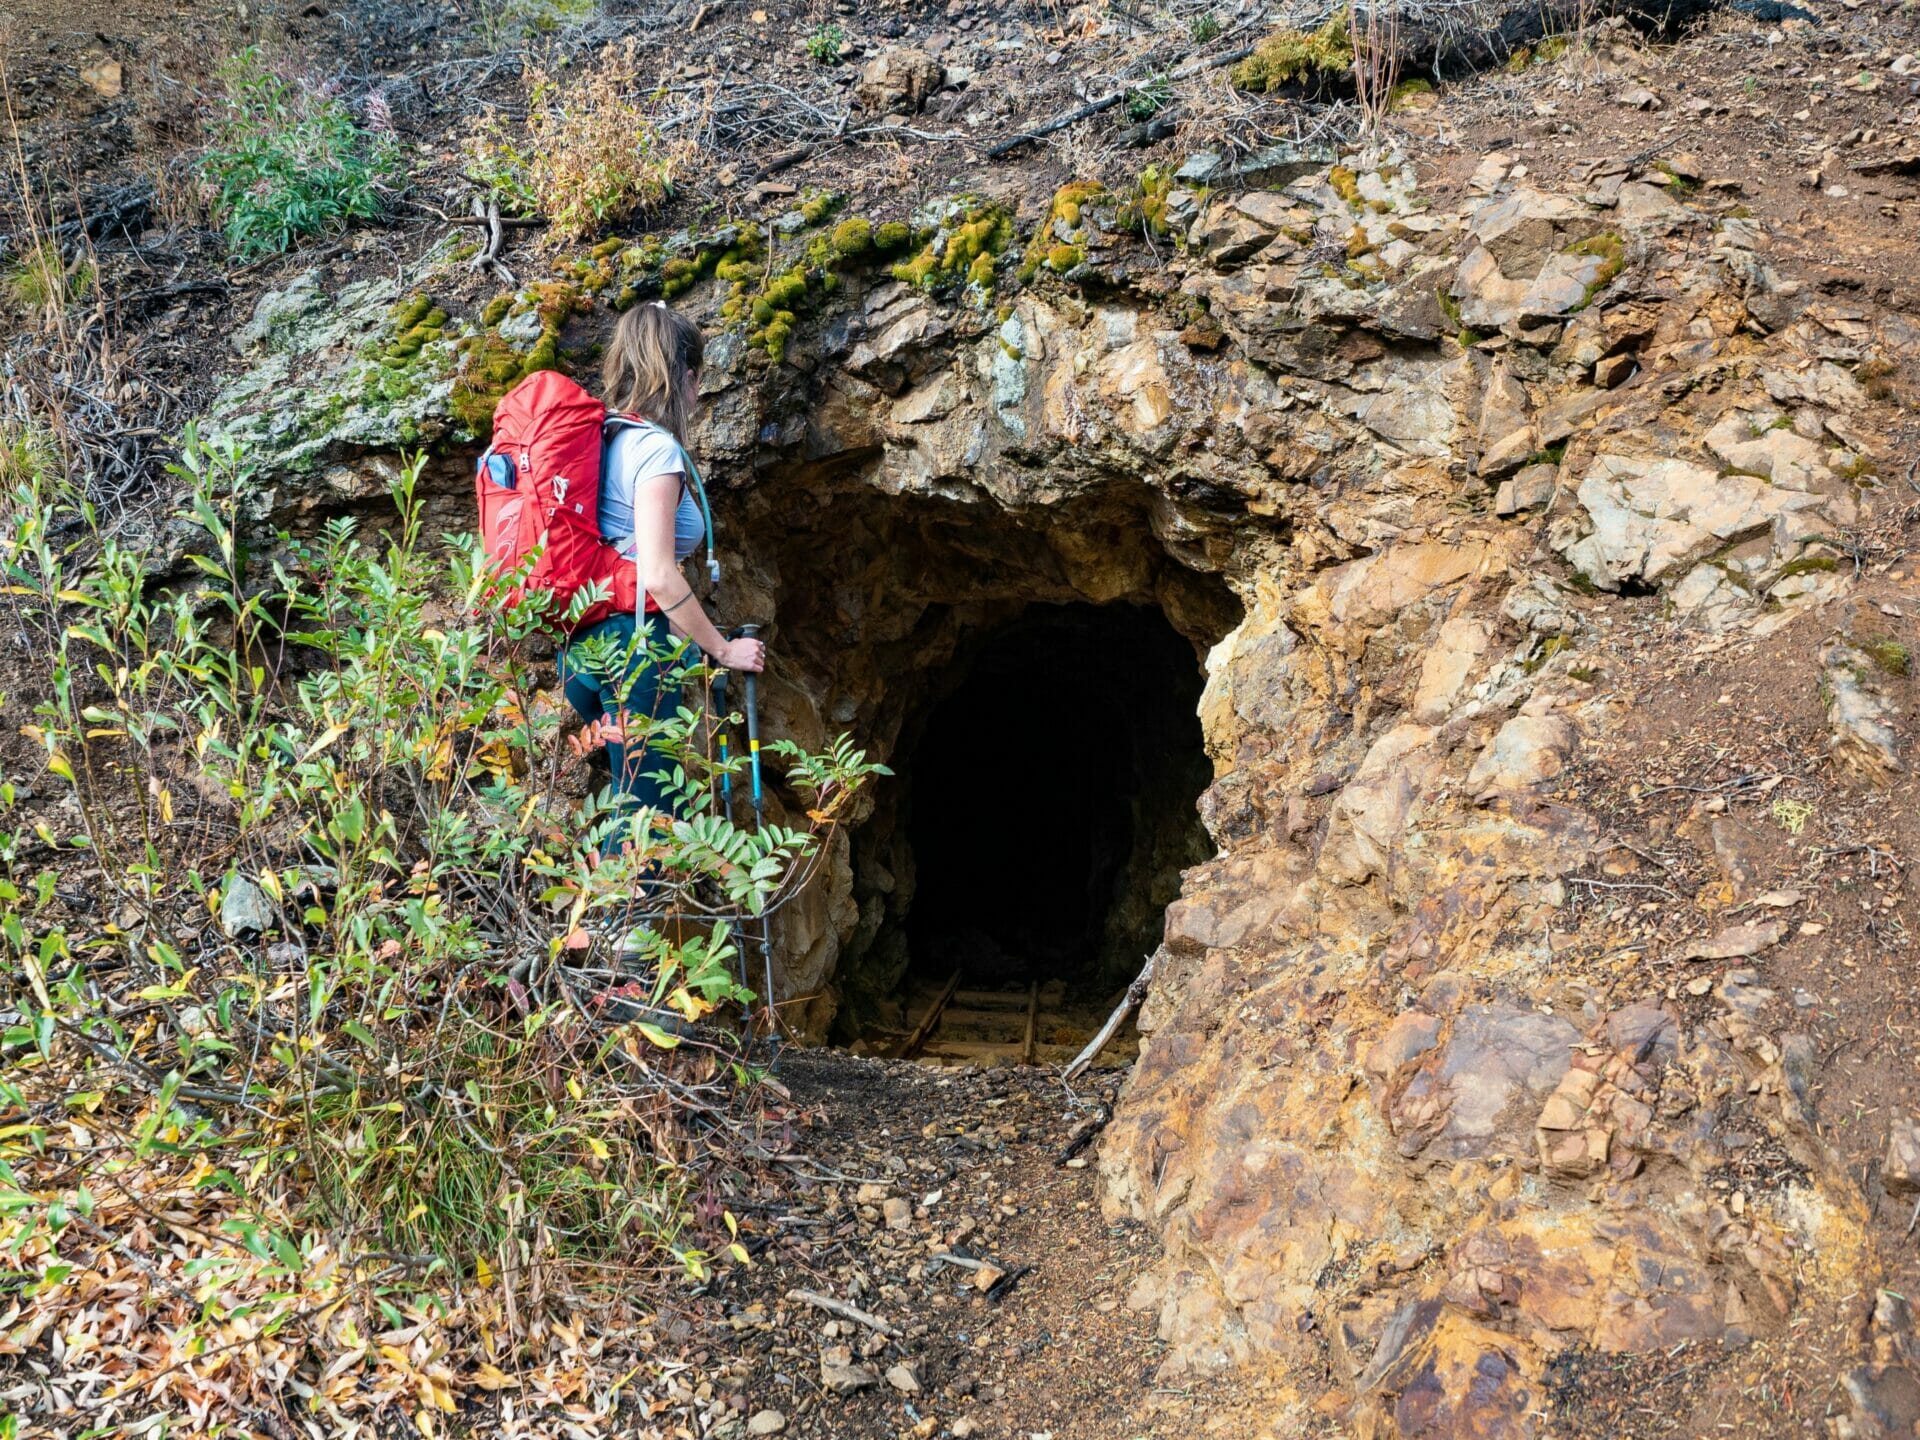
(824, 44)
(1148, 100)
(1203, 28)
(361, 976)
(496, 159)
(285, 160)
(503, 22)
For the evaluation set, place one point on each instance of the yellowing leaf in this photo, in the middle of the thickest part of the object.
(658, 1036)
(332, 733)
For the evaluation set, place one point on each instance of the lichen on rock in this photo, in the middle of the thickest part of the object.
(323, 388)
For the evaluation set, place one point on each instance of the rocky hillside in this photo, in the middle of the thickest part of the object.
(1533, 1055)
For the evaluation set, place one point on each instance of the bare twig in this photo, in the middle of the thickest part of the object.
(1109, 100)
(1136, 992)
(844, 1311)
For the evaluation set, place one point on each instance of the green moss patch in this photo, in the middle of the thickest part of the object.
(1059, 242)
(962, 249)
(769, 293)
(1807, 565)
(1288, 56)
(1611, 250)
(1409, 94)
(1888, 655)
(490, 365)
(1145, 211)
(416, 321)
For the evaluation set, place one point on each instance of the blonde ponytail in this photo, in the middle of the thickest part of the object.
(653, 348)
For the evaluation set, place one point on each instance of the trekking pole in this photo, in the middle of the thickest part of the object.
(720, 733)
(750, 632)
(721, 723)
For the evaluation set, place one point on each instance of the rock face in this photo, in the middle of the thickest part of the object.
(1393, 487)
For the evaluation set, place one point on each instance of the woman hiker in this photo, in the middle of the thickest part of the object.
(649, 511)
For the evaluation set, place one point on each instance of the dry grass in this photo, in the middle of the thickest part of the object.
(596, 154)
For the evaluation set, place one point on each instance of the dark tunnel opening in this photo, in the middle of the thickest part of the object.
(1050, 802)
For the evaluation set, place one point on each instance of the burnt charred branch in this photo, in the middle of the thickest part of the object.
(1450, 41)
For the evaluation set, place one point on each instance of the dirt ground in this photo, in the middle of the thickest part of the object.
(977, 1164)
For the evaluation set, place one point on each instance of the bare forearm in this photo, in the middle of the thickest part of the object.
(685, 615)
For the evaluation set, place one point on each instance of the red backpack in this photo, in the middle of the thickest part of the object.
(538, 488)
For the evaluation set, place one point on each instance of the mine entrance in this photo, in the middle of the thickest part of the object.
(1048, 800)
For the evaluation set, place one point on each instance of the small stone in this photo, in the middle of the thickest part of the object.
(1901, 1172)
(1736, 941)
(964, 1427)
(987, 1276)
(1506, 455)
(103, 78)
(898, 1212)
(899, 79)
(1199, 168)
(1637, 97)
(244, 910)
(870, 1194)
(1613, 370)
(902, 1378)
(767, 1422)
(839, 1374)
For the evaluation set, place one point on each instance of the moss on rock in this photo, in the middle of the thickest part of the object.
(1146, 209)
(416, 322)
(1059, 241)
(962, 248)
(490, 364)
(1611, 250)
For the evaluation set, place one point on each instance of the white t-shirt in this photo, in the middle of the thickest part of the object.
(637, 453)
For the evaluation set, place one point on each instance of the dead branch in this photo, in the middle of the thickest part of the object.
(844, 1311)
(488, 257)
(1136, 992)
(1111, 99)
